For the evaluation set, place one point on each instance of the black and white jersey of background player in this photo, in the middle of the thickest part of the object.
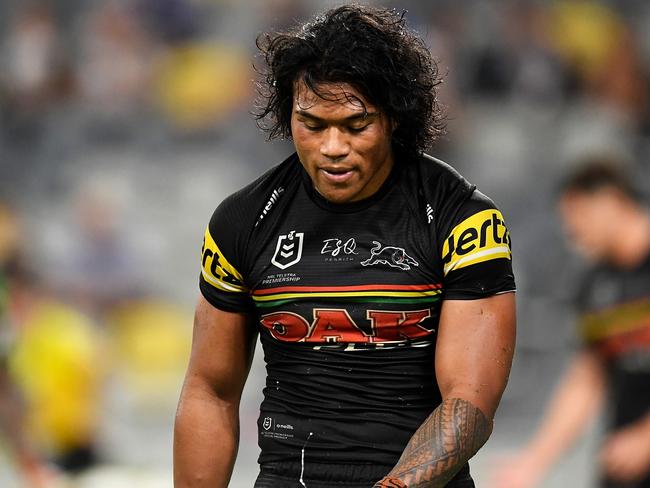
(347, 299)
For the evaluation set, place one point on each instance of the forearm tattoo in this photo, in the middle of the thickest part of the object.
(440, 447)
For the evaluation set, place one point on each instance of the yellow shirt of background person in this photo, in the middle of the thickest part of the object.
(199, 84)
(586, 34)
(56, 361)
(151, 371)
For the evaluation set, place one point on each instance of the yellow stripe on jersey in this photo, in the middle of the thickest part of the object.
(216, 269)
(479, 238)
(617, 320)
(345, 294)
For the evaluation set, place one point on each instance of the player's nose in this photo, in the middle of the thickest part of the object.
(334, 144)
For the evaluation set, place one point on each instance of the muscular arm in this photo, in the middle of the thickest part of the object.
(206, 432)
(573, 406)
(473, 357)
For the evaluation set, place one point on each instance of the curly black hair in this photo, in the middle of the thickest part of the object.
(368, 48)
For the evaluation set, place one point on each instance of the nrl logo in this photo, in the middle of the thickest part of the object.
(268, 421)
(395, 257)
(288, 250)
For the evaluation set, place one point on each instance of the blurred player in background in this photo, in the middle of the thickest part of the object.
(608, 224)
(29, 465)
(378, 278)
(50, 372)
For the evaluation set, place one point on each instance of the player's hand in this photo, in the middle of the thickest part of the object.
(519, 471)
(390, 483)
(625, 455)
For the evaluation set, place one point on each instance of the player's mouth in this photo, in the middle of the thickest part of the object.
(336, 175)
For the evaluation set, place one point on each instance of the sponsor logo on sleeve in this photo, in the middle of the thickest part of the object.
(216, 269)
(479, 238)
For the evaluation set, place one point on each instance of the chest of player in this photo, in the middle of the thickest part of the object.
(616, 318)
(370, 276)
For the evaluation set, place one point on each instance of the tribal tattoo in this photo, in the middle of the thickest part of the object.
(440, 447)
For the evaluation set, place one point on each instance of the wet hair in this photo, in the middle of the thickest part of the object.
(368, 48)
(596, 173)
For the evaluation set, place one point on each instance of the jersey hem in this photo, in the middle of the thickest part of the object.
(461, 295)
(226, 307)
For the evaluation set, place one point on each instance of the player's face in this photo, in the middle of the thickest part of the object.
(343, 142)
(589, 221)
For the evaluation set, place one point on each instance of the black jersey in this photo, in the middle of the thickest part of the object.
(615, 324)
(348, 298)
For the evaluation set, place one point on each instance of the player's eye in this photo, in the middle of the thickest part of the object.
(313, 127)
(356, 130)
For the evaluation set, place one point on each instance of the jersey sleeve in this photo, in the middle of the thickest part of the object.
(222, 282)
(476, 251)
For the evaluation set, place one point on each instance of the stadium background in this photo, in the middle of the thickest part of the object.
(123, 123)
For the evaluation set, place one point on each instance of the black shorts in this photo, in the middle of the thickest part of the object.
(288, 475)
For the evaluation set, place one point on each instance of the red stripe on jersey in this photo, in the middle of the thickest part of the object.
(313, 289)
